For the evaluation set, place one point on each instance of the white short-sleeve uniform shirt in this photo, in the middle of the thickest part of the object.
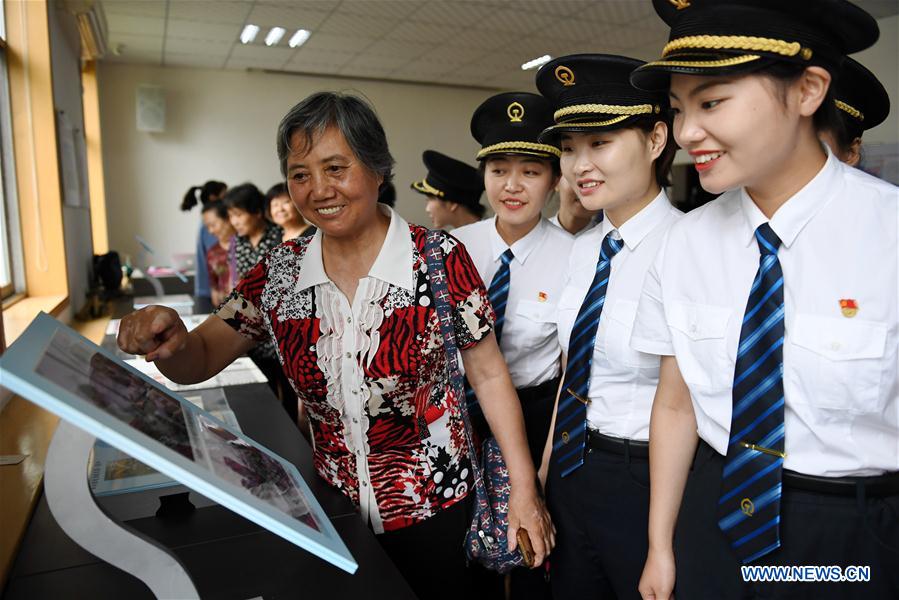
(839, 243)
(622, 380)
(537, 275)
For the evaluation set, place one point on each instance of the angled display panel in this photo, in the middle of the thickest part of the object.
(54, 367)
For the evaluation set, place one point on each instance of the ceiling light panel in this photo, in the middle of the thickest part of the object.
(536, 63)
(249, 33)
(274, 36)
(298, 38)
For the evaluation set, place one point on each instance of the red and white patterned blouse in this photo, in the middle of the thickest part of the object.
(385, 423)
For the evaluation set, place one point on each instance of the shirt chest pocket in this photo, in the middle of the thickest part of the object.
(837, 363)
(620, 324)
(699, 333)
(537, 319)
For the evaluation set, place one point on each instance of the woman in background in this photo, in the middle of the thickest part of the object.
(453, 190)
(863, 104)
(221, 280)
(284, 214)
(211, 191)
(255, 237)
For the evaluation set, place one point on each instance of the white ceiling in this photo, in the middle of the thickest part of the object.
(472, 42)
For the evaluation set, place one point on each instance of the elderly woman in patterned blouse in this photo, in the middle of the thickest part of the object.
(353, 320)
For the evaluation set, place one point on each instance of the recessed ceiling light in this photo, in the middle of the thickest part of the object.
(299, 38)
(274, 35)
(537, 62)
(249, 34)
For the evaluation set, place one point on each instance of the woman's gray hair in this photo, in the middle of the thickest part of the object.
(353, 116)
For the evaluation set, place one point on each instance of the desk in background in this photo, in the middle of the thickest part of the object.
(171, 284)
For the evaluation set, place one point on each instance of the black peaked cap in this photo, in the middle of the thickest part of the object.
(511, 123)
(861, 98)
(723, 37)
(450, 179)
(593, 92)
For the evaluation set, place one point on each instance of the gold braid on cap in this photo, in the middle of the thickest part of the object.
(710, 64)
(426, 188)
(850, 110)
(605, 109)
(737, 42)
(519, 148)
(573, 124)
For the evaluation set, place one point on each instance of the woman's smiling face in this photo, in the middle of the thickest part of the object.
(608, 169)
(330, 186)
(739, 131)
(283, 212)
(517, 187)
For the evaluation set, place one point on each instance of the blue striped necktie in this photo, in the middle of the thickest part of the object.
(499, 292)
(749, 505)
(570, 432)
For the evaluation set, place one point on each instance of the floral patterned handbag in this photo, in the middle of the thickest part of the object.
(486, 540)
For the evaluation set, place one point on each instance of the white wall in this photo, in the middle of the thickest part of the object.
(221, 125)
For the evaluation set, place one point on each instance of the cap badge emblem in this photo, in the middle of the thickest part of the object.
(515, 112)
(848, 307)
(680, 4)
(747, 507)
(565, 75)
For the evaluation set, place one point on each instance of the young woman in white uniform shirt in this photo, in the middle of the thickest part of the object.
(522, 257)
(774, 308)
(519, 175)
(616, 153)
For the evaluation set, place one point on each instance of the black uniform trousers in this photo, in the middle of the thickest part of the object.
(816, 529)
(537, 407)
(600, 511)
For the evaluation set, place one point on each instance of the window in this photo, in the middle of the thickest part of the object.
(11, 272)
(30, 165)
